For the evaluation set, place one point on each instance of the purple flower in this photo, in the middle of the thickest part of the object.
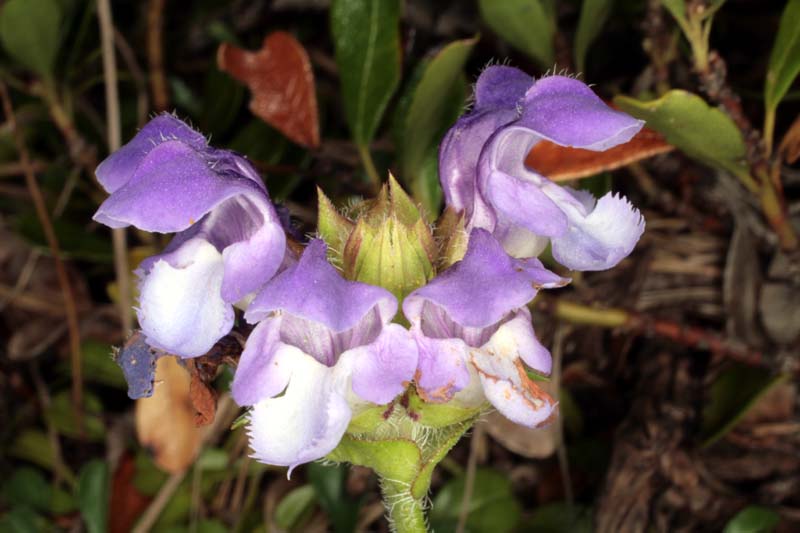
(482, 170)
(474, 331)
(229, 239)
(328, 345)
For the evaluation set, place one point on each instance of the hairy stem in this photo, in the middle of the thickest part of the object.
(406, 513)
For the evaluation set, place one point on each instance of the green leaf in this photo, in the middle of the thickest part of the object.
(435, 103)
(29, 30)
(677, 8)
(34, 446)
(527, 25)
(704, 133)
(74, 240)
(295, 507)
(93, 491)
(328, 483)
(99, 366)
(492, 508)
(28, 487)
(61, 414)
(753, 519)
(222, 101)
(593, 15)
(212, 459)
(23, 520)
(260, 142)
(598, 185)
(366, 38)
(559, 517)
(732, 395)
(784, 62)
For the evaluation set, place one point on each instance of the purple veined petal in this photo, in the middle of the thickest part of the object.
(248, 234)
(459, 153)
(590, 236)
(514, 192)
(383, 369)
(518, 202)
(567, 112)
(516, 339)
(600, 235)
(172, 188)
(442, 369)
(180, 308)
(118, 168)
(497, 92)
(306, 422)
(265, 365)
(511, 392)
(250, 263)
(231, 164)
(326, 345)
(482, 288)
(313, 290)
(501, 86)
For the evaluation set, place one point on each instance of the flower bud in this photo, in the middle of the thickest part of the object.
(389, 244)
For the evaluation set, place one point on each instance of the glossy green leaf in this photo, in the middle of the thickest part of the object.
(703, 132)
(527, 25)
(732, 395)
(366, 38)
(594, 14)
(559, 517)
(294, 507)
(753, 519)
(436, 101)
(784, 62)
(93, 495)
(29, 31)
(492, 508)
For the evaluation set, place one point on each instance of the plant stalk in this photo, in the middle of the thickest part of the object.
(406, 513)
(369, 167)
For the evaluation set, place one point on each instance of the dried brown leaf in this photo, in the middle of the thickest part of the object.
(560, 163)
(204, 400)
(281, 82)
(165, 421)
(127, 503)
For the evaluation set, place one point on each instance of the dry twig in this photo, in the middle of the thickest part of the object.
(70, 307)
(114, 141)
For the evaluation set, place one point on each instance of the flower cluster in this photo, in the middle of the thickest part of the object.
(400, 312)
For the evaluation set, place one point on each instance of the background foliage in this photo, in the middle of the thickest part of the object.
(676, 371)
